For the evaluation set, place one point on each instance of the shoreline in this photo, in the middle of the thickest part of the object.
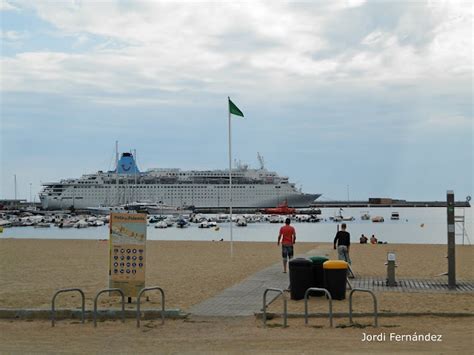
(164, 239)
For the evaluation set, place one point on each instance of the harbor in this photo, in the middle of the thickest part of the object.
(414, 225)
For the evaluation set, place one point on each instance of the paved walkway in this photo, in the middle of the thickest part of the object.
(436, 285)
(246, 298)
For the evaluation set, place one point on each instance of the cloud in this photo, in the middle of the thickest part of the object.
(260, 48)
(6, 6)
(13, 36)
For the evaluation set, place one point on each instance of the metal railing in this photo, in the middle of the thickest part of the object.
(375, 304)
(53, 310)
(109, 290)
(162, 303)
(285, 312)
(306, 303)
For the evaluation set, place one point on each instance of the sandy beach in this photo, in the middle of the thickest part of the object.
(191, 272)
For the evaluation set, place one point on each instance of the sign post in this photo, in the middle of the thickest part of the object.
(451, 240)
(127, 252)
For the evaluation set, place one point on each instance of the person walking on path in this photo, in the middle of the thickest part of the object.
(287, 237)
(343, 242)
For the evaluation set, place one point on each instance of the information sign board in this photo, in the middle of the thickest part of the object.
(127, 252)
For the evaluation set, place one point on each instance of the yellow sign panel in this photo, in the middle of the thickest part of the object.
(127, 252)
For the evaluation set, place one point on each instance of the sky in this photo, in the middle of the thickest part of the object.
(349, 98)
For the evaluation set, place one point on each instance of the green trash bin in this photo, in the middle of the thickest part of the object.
(335, 276)
(318, 274)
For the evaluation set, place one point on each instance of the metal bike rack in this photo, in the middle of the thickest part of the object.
(285, 313)
(162, 303)
(109, 290)
(306, 303)
(53, 310)
(375, 304)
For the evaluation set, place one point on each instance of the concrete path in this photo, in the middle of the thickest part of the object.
(245, 298)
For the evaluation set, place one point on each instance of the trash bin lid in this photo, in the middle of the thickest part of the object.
(335, 264)
(318, 260)
(299, 262)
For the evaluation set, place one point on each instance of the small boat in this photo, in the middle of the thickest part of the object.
(241, 222)
(377, 219)
(4, 223)
(181, 223)
(67, 224)
(81, 224)
(280, 209)
(154, 219)
(42, 225)
(395, 216)
(275, 219)
(204, 224)
(169, 221)
(339, 217)
(223, 218)
(365, 216)
(161, 224)
(98, 223)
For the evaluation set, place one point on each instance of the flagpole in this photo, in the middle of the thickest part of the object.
(230, 185)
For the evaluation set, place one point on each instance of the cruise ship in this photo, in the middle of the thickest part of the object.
(126, 184)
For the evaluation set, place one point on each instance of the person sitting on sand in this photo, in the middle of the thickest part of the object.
(373, 240)
(363, 239)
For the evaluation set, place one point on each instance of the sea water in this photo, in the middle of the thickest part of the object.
(416, 225)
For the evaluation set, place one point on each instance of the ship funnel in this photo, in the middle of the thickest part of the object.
(127, 165)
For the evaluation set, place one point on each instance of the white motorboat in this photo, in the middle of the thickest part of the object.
(204, 224)
(241, 222)
(81, 224)
(161, 224)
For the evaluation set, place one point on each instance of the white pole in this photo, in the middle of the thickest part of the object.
(230, 186)
(15, 174)
(116, 173)
(135, 199)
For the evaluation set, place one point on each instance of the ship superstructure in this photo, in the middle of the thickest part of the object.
(257, 188)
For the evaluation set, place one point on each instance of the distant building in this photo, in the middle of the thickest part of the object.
(384, 201)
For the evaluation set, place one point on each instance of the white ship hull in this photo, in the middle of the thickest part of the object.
(200, 196)
(252, 188)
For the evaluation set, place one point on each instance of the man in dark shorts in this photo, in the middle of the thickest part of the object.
(287, 237)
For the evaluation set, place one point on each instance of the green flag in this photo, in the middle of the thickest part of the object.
(234, 110)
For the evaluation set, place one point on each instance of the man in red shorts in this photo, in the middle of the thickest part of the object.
(287, 237)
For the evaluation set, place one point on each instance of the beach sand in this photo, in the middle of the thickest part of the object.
(190, 272)
(234, 335)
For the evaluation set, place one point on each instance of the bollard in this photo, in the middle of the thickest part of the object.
(391, 257)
